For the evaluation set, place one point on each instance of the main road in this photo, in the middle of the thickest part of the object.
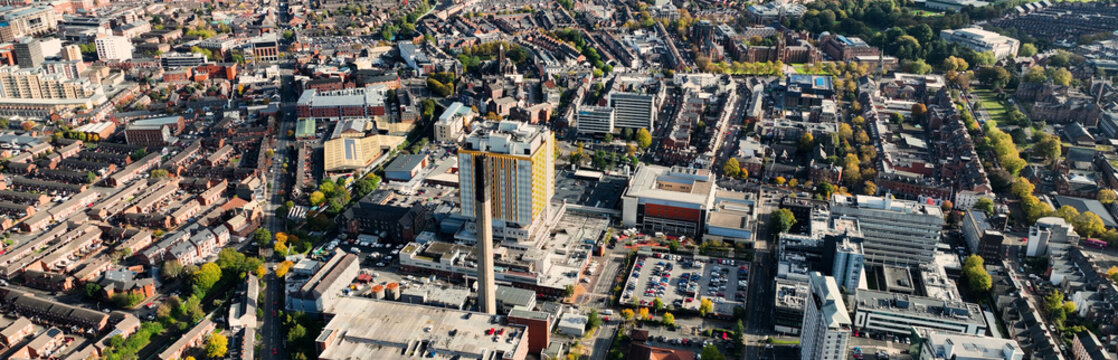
(271, 332)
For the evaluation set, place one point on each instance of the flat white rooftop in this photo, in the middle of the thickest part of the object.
(372, 329)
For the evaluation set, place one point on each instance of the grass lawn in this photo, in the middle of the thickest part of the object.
(996, 108)
(928, 13)
(805, 69)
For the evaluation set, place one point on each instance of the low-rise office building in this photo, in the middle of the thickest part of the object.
(898, 314)
(670, 200)
(981, 40)
(595, 119)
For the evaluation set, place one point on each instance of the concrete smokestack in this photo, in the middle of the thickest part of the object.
(487, 287)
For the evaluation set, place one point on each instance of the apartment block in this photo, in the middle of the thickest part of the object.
(113, 48)
(521, 168)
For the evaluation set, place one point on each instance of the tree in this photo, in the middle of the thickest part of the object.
(171, 269)
(782, 220)
(986, 205)
(705, 306)
(158, 173)
(1022, 187)
(1107, 196)
(806, 142)
(1049, 147)
(126, 299)
(317, 198)
(337, 205)
(975, 271)
(1026, 50)
(1062, 77)
(739, 335)
(845, 132)
(207, 275)
(194, 309)
(328, 188)
(669, 319)
(918, 112)
(1035, 74)
(283, 268)
(1067, 213)
(731, 168)
(1054, 305)
(216, 346)
(644, 139)
(643, 314)
(985, 58)
(825, 190)
(1053, 300)
(711, 352)
(260, 271)
(296, 333)
(440, 89)
(780, 180)
(209, 54)
(657, 304)
(608, 138)
(1035, 209)
(280, 248)
(995, 77)
(593, 320)
(850, 170)
(1088, 224)
(952, 63)
(869, 188)
(262, 236)
(92, 290)
(627, 314)
(917, 66)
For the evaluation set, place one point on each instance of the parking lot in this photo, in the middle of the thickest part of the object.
(681, 282)
(371, 250)
(378, 260)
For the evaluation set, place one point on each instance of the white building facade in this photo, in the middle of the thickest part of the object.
(826, 327)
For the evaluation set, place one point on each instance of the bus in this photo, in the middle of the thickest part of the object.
(1095, 243)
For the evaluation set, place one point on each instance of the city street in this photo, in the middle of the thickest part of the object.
(759, 318)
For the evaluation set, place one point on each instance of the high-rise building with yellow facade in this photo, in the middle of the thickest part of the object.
(520, 161)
